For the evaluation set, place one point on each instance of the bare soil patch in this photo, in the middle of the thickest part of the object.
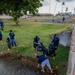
(29, 62)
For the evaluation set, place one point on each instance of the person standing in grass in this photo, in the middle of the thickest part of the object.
(55, 42)
(44, 61)
(8, 43)
(2, 25)
(35, 43)
(12, 38)
(1, 36)
(63, 19)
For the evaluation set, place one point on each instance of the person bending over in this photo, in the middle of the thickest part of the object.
(44, 61)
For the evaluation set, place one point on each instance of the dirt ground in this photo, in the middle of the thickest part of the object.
(29, 61)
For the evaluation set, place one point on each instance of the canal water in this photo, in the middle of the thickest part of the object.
(14, 68)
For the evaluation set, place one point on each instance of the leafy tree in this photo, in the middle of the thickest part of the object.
(58, 0)
(63, 3)
(17, 8)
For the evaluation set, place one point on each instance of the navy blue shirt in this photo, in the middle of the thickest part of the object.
(12, 35)
(36, 40)
(55, 41)
(41, 58)
(1, 23)
(0, 34)
(8, 40)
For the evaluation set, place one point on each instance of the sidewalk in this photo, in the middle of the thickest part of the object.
(71, 60)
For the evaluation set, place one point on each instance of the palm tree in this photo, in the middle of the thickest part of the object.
(50, 7)
(63, 3)
(58, 0)
(56, 5)
(66, 9)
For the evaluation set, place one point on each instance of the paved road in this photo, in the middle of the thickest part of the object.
(71, 61)
(69, 18)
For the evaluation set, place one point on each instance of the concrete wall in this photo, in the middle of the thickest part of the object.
(65, 38)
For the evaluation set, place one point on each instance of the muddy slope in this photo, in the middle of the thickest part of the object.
(20, 65)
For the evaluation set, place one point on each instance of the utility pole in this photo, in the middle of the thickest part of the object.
(74, 10)
(50, 7)
(63, 3)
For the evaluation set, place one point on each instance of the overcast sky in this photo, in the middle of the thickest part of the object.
(51, 6)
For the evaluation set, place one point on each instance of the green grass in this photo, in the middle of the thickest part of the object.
(25, 34)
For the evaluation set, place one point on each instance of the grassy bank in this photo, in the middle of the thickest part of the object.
(25, 34)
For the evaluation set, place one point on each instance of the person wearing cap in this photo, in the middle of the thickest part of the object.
(8, 43)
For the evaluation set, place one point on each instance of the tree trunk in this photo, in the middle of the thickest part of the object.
(16, 21)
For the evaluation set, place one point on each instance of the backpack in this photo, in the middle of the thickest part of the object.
(39, 47)
(45, 50)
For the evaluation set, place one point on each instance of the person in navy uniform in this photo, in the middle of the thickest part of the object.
(2, 25)
(8, 43)
(1, 36)
(44, 61)
(63, 19)
(55, 41)
(12, 38)
(35, 43)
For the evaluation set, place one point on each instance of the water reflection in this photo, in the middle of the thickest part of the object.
(14, 68)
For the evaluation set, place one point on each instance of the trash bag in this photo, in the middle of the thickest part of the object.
(39, 47)
(51, 50)
(42, 48)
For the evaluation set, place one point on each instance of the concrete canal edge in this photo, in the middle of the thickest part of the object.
(71, 60)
